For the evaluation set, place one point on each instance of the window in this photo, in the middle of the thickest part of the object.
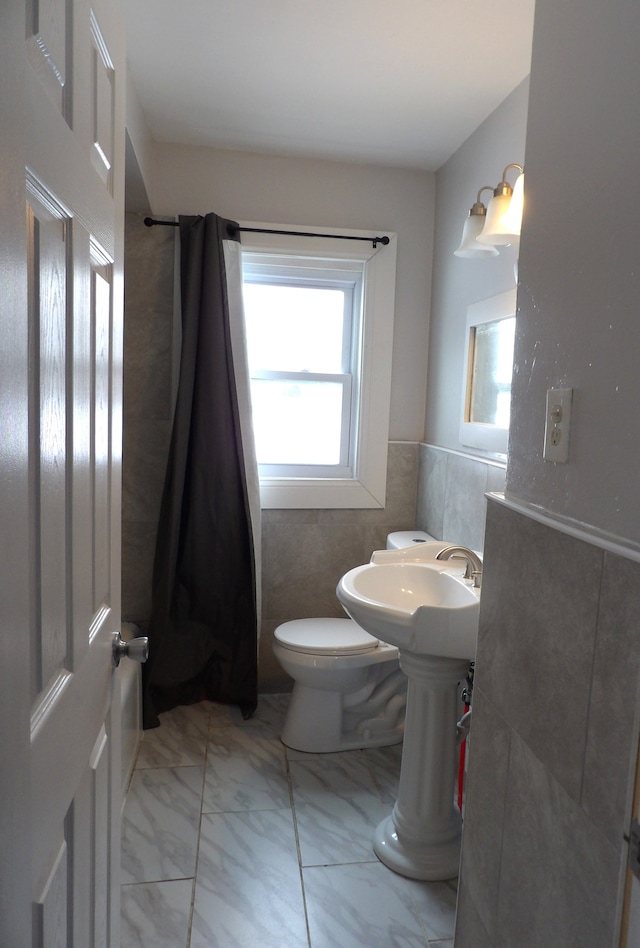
(302, 328)
(486, 396)
(319, 323)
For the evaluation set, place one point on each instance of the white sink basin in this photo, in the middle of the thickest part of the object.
(424, 608)
(430, 612)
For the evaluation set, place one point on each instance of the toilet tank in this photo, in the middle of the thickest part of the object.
(412, 546)
(401, 539)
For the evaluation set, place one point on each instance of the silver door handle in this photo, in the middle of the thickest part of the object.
(135, 649)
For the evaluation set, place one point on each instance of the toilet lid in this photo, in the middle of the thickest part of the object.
(325, 636)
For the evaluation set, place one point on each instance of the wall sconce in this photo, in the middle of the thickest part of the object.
(473, 227)
(499, 224)
(504, 214)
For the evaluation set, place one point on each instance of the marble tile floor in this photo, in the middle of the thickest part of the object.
(231, 840)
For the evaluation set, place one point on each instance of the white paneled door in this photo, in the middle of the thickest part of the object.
(61, 202)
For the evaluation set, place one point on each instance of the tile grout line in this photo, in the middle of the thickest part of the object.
(195, 871)
(416, 911)
(297, 838)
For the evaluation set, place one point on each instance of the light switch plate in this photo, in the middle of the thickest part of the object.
(557, 425)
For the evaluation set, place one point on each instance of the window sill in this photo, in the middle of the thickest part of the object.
(281, 493)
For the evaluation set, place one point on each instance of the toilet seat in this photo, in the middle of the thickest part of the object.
(325, 637)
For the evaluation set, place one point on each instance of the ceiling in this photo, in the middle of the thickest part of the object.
(393, 82)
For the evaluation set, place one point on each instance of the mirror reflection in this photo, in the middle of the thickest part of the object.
(492, 366)
(488, 368)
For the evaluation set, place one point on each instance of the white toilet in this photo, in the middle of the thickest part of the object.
(349, 691)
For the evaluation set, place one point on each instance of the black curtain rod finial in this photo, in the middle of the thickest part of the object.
(150, 222)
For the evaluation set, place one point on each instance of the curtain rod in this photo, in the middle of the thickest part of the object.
(151, 222)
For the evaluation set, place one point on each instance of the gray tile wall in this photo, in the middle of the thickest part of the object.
(148, 328)
(553, 740)
(451, 488)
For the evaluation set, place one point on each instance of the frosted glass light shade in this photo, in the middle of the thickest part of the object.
(512, 220)
(504, 217)
(469, 246)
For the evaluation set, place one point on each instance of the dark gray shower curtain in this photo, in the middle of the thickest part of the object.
(203, 627)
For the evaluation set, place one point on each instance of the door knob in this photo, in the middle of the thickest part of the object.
(135, 649)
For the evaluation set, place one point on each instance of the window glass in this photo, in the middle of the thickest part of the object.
(297, 422)
(302, 365)
(294, 328)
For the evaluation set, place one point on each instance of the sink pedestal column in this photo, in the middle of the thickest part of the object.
(421, 838)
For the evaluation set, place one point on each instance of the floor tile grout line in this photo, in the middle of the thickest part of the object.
(197, 859)
(298, 849)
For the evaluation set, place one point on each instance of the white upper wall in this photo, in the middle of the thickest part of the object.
(457, 281)
(296, 191)
(578, 319)
(138, 157)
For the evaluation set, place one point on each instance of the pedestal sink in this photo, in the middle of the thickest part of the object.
(431, 614)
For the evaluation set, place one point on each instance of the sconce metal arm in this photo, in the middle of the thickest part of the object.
(504, 187)
(479, 209)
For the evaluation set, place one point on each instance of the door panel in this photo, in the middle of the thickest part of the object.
(50, 916)
(102, 105)
(101, 296)
(60, 408)
(48, 227)
(49, 50)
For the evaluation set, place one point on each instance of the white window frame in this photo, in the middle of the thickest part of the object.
(346, 276)
(366, 485)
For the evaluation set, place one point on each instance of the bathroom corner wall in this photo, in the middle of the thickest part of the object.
(305, 552)
(553, 740)
(148, 328)
(451, 494)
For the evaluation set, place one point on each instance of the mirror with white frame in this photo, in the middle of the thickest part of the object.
(486, 393)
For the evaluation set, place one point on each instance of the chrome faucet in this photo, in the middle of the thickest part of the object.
(474, 563)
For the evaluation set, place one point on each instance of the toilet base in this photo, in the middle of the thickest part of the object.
(324, 722)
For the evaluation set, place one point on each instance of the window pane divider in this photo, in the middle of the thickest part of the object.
(282, 375)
